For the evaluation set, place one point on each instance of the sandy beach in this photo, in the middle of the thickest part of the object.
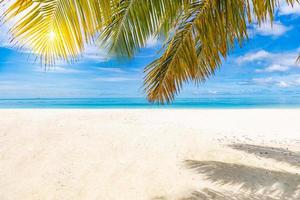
(149, 154)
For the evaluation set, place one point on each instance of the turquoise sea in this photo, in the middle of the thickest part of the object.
(103, 103)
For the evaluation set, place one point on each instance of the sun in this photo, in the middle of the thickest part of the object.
(52, 35)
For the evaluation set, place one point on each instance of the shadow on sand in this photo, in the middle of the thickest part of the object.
(207, 194)
(248, 182)
(278, 154)
(258, 183)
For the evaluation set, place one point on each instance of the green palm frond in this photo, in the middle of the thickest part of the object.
(134, 22)
(210, 28)
(178, 64)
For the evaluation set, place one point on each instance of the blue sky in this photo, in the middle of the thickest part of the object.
(265, 66)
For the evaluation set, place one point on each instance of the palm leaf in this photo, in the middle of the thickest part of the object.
(135, 21)
(55, 29)
(166, 74)
(210, 28)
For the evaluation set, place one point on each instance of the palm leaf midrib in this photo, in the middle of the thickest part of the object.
(122, 24)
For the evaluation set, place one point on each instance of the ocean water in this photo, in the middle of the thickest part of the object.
(103, 103)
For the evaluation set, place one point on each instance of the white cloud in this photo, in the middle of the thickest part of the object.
(212, 92)
(274, 68)
(283, 84)
(115, 79)
(58, 69)
(249, 57)
(274, 62)
(92, 52)
(4, 27)
(263, 80)
(270, 29)
(5, 41)
(152, 42)
(286, 9)
(297, 81)
(279, 81)
(111, 69)
(4, 37)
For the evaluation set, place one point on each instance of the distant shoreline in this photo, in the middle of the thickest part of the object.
(141, 103)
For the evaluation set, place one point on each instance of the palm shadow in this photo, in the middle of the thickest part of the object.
(208, 194)
(252, 181)
(278, 154)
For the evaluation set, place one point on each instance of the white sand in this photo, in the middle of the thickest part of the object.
(141, 154)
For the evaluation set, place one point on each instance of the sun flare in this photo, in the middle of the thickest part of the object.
(51, 36)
